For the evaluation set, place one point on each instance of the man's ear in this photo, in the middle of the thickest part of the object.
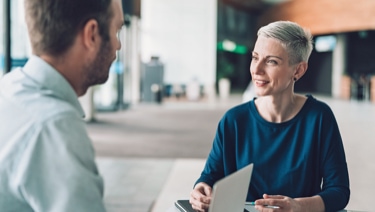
(90, 35)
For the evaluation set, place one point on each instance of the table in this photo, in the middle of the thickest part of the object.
(248, 207)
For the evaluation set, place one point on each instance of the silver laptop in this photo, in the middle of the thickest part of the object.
(228, 194)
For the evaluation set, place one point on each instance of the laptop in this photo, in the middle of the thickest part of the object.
(228, 194)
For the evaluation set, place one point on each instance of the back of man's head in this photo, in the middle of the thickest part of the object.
(54, 24)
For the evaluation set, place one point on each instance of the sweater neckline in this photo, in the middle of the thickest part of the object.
(300, 113)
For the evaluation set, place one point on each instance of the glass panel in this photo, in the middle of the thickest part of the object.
(2, 18)
(20, 46)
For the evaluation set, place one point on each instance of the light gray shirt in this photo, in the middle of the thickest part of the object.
(46, 157)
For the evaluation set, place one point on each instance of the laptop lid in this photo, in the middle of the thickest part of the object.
(229, 193)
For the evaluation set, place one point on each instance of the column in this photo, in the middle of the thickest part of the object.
(338, 64)
(135, 62)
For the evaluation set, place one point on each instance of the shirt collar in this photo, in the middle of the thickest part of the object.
(49, 78)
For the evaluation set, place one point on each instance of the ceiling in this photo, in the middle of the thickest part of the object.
(252, 5)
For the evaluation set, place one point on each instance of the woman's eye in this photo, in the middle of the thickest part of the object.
(273, 62)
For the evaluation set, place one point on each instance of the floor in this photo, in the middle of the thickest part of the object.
(150, 154)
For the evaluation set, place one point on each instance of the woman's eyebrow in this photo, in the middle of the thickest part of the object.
(280, 58)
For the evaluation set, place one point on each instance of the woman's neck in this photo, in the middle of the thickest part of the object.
(279, 109)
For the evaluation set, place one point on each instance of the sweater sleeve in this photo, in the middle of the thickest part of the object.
(223, 158)
(335, 187)
(214, 167)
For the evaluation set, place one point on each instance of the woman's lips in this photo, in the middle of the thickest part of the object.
(260, 83)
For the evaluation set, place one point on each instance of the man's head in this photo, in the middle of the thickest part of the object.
(97, 71)
(53, 25)
(77, 37)
(296, 40)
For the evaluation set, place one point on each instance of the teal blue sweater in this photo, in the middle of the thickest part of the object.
(301, 157)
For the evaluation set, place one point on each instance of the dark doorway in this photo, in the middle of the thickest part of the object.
(318, 78)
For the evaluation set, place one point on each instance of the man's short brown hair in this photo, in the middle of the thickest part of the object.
(54, 24)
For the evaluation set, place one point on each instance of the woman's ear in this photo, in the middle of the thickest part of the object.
(300, 70)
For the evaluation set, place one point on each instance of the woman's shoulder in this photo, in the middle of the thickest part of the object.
(240, 111)
(316, 105)
(316, 101)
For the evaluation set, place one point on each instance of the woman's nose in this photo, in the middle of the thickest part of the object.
(256, 68)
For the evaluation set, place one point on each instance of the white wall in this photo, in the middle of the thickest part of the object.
(183, 34)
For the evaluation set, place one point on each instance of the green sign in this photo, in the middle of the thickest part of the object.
(231, 46)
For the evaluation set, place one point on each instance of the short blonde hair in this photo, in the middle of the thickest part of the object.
(297, 40)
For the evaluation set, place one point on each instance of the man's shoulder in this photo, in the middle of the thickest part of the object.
(22, 96)
(49, 107)
(36, 105)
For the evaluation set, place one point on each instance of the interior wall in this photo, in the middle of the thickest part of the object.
(183, 35)
(325, 16)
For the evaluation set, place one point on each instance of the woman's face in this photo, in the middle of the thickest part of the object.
(270, 70)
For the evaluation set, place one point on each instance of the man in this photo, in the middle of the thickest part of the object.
(46, 157)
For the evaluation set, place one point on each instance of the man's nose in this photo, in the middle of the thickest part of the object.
(118, 45)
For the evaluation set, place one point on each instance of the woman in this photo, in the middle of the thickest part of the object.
(293, 140)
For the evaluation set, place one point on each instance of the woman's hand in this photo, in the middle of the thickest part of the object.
(277, 203)
(200, 197)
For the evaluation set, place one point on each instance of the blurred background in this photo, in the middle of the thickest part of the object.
(184, 63)
(183, 49)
